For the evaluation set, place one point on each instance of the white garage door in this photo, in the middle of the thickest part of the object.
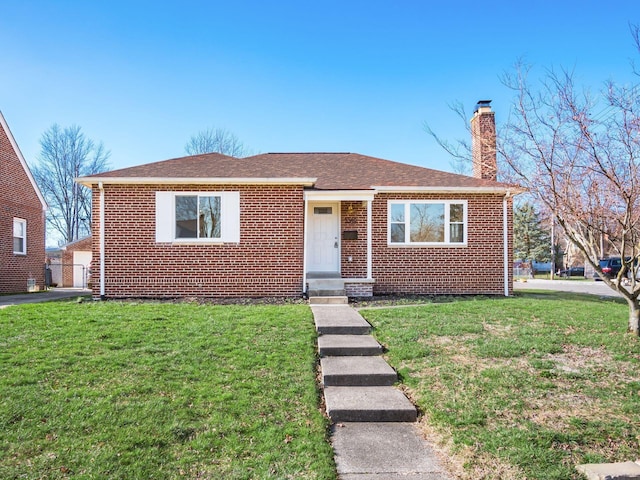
(81, 261)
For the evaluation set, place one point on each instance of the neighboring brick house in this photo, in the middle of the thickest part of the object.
(75, 263)
(217, 226)
(22, 220)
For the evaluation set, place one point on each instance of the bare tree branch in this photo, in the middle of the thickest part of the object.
(65, 155)
(460, 149)
(582, 162)
(216, 140)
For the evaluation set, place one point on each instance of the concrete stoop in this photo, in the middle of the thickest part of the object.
(327, 291)
(611, 471)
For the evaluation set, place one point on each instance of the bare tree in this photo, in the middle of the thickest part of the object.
(215, 140)
(65, 155)
(578, 154)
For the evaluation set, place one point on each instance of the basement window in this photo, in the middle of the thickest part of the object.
(427, 222)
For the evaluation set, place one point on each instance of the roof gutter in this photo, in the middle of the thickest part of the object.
(498, 190)
(90, 181)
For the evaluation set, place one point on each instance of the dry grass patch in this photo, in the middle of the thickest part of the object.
(520, 388)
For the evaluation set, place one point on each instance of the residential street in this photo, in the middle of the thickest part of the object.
(591, 287)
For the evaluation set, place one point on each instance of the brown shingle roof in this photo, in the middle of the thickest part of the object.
(331, 171)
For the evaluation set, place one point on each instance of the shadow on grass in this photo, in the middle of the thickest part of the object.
(385, 301)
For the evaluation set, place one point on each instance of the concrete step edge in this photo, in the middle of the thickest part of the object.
(332, 300)
(368, 404)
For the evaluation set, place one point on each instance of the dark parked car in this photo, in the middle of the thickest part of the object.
(610, 267)
(572, 272)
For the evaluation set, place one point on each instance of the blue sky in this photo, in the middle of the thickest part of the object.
(358, 76)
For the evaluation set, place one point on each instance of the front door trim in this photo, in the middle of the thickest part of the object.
(329, 260)
(337, 196)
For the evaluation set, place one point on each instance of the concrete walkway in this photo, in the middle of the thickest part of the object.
(44, 296)
(374, 434)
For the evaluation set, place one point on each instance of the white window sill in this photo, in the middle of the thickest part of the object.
(198, 242)
(426, 245)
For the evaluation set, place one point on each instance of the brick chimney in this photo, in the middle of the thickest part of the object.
(483, 141)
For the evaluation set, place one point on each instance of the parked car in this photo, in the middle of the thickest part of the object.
(610, 267)
(572, 272)
(541, 267)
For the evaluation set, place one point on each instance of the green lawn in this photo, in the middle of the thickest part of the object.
(99, 390)
(523, 387)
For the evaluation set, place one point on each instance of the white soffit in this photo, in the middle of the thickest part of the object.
(339, 195)
(399, 189)
(88, 181)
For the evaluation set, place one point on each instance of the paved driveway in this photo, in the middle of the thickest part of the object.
(589, 286)
(49, 295)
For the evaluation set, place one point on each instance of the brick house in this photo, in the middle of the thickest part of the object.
(76, 260)
(217, 226)
(70, 263)
(22, 220)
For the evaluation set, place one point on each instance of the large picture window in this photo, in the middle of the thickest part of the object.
(427, 222)
(19, 236)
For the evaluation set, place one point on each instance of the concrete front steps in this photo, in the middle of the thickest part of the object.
(357, 381)
(327, 291)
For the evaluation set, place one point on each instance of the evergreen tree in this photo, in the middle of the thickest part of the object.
(531, 241)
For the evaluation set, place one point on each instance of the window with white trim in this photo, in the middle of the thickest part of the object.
(197, 216)
(19, 236)
(427, 222)
(201, 217)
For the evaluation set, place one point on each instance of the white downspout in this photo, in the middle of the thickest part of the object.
(304, 249)
(102, 289)
(505, 234)
(369, 243)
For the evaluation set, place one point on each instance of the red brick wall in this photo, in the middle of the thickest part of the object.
(483, 144)
(267, 261)
(19, 199)
(354, 218)
(477, 268)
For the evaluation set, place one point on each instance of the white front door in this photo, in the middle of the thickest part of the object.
(323, 244)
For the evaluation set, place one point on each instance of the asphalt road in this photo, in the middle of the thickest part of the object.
(576, 286)
(37, 297)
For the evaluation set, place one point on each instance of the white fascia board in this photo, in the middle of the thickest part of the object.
(339, 195)
(482, 190)
(89, 181)
(25, 167)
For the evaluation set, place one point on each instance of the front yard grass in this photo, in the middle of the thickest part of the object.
(520, 388)
(152, 390)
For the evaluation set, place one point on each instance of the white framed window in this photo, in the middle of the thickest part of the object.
(427, 222)
(19, 236)
(197, 217)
